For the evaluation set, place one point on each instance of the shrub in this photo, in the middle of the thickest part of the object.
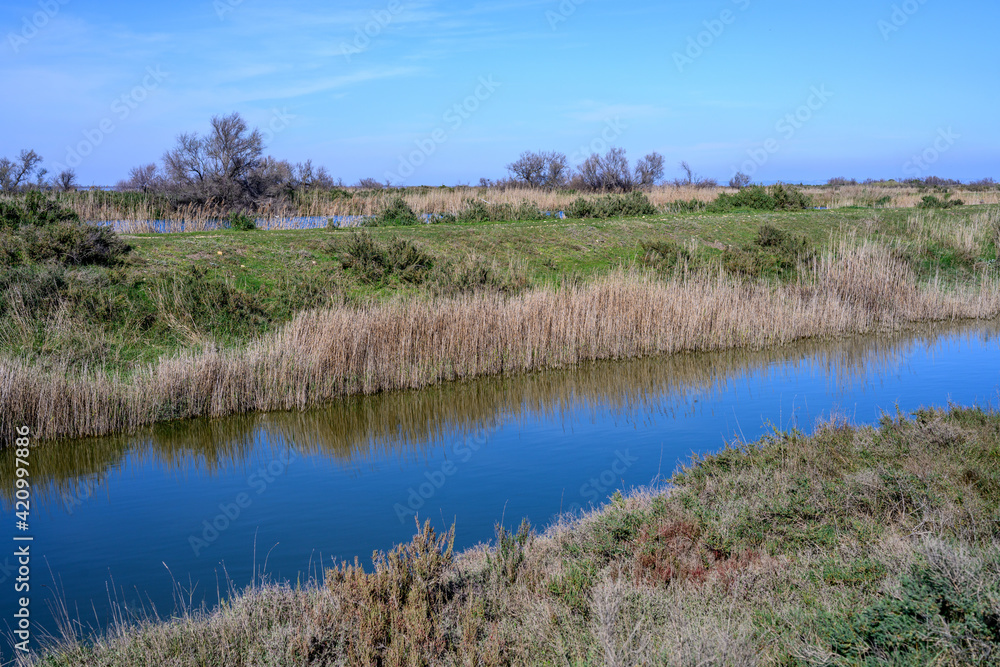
(580, 208)
(396, 213)
(777, 197)
(664, 254)
(36, 210)
(936, 618)
(612, 206)
(241, 222)
(480, 210)
(932, 202)
(773, 252)
(378, 262)
(471, 275)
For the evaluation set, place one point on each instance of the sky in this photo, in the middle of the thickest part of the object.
(447, 92)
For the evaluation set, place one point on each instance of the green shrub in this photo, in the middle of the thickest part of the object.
(773, 253)
(932, 202)
(396, 213)
(68, 243)
(612, 206)
(480, 210)
(241, 222)
(934, 620)
(35, 210)
(377, 262)
(664, 255)
(580, 208)
(471, 275)
(759, 198)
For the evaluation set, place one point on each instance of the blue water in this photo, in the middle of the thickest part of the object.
(129, 519)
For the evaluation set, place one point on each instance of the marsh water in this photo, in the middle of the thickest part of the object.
(187, 509)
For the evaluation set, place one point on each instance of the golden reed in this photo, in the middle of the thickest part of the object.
(324, 354)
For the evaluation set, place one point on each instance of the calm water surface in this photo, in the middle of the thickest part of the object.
(189, 507)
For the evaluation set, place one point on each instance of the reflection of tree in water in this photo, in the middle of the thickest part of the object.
(405, 423)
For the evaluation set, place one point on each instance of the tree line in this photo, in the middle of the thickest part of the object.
(228, 167)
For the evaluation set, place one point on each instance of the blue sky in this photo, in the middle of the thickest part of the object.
(447, 92)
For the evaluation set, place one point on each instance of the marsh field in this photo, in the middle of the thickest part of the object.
(805, 543)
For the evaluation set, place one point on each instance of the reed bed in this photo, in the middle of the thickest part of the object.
(311, 209)
(324, 354)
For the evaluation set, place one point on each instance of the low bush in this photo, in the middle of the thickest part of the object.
(378, 262)
(241, 222)
(480, 210)
(35, 210)
(773, 253)
(932, 202)
(612, 206)
(395, 213)
(664, 255)
(776, 197)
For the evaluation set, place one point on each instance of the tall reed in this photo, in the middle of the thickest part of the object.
(324, 354)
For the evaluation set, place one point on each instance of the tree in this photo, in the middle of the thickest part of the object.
(649, 170)
(539, 170)
(144, 178)
(688, 174)
(218, 166)
(739, 181)
(66, 180)
(607, 173)
(14, 173)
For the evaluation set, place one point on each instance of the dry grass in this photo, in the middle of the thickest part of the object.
(284, 214)
(324, 354)
(851, 546)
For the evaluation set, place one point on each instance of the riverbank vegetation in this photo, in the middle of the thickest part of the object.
(854, 546)
(146, 328)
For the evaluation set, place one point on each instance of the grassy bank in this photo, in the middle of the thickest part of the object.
(853, 546)
(212, 324)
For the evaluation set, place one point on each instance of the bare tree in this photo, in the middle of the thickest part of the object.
(591, 173)
(369, 184)
(540, 170)
(688, 173)
(66, 180)
(649, 170)
(144, 178)
(739, 181)
(617, 175)
(218, 166)
(15, 173)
